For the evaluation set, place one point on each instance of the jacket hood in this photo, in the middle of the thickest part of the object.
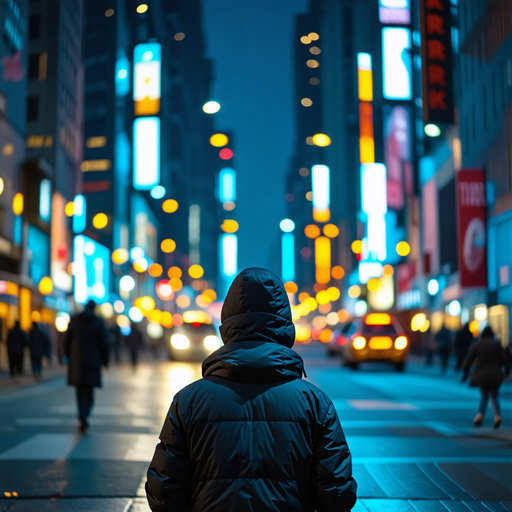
(257, 309)
(254, 361)
(87, 315)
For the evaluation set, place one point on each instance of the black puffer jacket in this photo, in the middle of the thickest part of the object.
(252, 435)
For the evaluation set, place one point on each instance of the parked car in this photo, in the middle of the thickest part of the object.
(377, 337)
(339, 340)
(193, 341)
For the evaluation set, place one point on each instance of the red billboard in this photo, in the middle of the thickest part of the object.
(471, 227)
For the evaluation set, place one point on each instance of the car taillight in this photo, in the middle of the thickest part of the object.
(359, 342)
(401, 342)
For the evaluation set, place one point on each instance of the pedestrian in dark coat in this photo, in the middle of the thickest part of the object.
(86, 350)
(16, 342)
(114, 337)
(39, 347)
(252, 434)
(463, 340)
(134, 342)
(444, 344)
(487, 358)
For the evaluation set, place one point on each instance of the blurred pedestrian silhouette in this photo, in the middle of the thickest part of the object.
(114, 338)
(487, 358)
(16, 342)
(463, 340)
(444, 344)
(252, 434)
(134, 342)
(86, 350)
(39, 346)
(429, 346)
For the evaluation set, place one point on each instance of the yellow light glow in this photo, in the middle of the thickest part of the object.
(176, 284)
(180, 341)
(211, 107)
(321, 214)
(313, 36)
(321, 140)
(381, 343)
(8, 149)
(179, 36)
(312, 231)
(325, 336)
(474, 327)
(334, 293)
(403, 248)
(191, 317)
(96, 165)
(337, 272)
(309, 142)
(1, 186)
(305, 40)
(354, 291)
(481, 313)
(325, 308)
(322, 259)
(306, 102)
(170, 206)
(201, 302)
(35, 316)
(166, 320)
(174, 272)
(209, 295)
(425, 327)
(302, 333)
(142, 8)
(291, 287)
(378, 319)
(46, 285)
(322, 297)
(331, 231)
(365, 84)
(155, 270)
(155, 316)
(303, 296)
(343, 315)
(119, 256)
(388, 270)
(218, 140)
(17, 204)
(182, 301)
(418, 321)
(311, 303)
(366, 150)
(140, 265)
(147, 303)
(229, 226)
(401, 342)
(195, 271)
(168, 245)
(69, 209)
(122, 321)
(109, 12)
(312, 63)
(315, 50)
(373, 284)
(359, 343)
(100, 220)
(357, 247)
(96, 142)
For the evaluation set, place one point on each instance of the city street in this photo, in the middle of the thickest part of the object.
(413, 444)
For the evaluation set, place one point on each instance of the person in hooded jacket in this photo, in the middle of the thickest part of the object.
(16, 342)
(86, 350)
(39, 346)
(252, 435)
(488, 358)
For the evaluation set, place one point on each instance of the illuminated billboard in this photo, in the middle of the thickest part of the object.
(227, 185)
(79, 210)
(394, 12)
(91, 270)
(396, 63)
(146, 79)
(364, 76)
(320, 181)
(288, 257)
(146, 153)
(228, 255)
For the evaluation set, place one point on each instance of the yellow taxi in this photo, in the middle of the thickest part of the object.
(376, 337)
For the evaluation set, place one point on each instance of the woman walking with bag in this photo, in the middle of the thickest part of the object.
(488, 357)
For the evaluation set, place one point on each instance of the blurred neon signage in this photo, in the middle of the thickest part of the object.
(79, 210)
(229, 249)
(146, 79)
(288, 257)
(91, 270)
(320, 180)
(227, 185)
(322, 259)
(394, 12)
(122, 74)
(366, 141)
(374, 204)
(364, 75)
(146, 153)
(396, 65)
(45, 200)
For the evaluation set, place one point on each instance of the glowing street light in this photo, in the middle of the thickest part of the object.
(211, 107)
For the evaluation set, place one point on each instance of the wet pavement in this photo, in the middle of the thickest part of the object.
(410, 434)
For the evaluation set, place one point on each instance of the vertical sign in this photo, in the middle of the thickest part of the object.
(471, 227)
(436, 57)
(146, 79)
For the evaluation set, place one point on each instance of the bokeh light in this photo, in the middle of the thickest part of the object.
(226, 154)
(218, 140)
(331, 231)
(357, 247)
(100, 220)
(168, 245)
(337, 272)
(170, 206)
(196, 271)
(403, 248)
(211, 107)
(312, 231)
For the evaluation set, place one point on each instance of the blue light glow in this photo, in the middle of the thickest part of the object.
(321, 186)
(91, 270)
(433, 287)
(146, 153)
(287, 225)
(45, 200)
(38, 243)
(146, 78)
(229, 249)
(157, 192)
(288, 257)
(79, 219)
(135, 314)
(136, 253)
(122, 74)
(396, 65)
(227, 185)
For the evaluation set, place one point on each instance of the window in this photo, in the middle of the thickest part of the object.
(33, 108)
(33, 66)
(34, 27)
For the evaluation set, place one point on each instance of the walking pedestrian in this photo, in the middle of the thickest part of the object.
(463, 340)
(252, 434)
(134, 342)
(444, 343)
(39, 347)
(114, 338)
(16, 342)
(487, 358)
(429, 346)
(86, 350)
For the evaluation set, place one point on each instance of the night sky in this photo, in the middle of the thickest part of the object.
(250, 42)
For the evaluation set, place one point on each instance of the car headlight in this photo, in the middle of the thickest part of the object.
(180, 341)
(212, 343)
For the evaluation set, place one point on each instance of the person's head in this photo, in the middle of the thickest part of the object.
(257, 309)
(90, 305)
(17, 324)
(35, 325)
(487, 332)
